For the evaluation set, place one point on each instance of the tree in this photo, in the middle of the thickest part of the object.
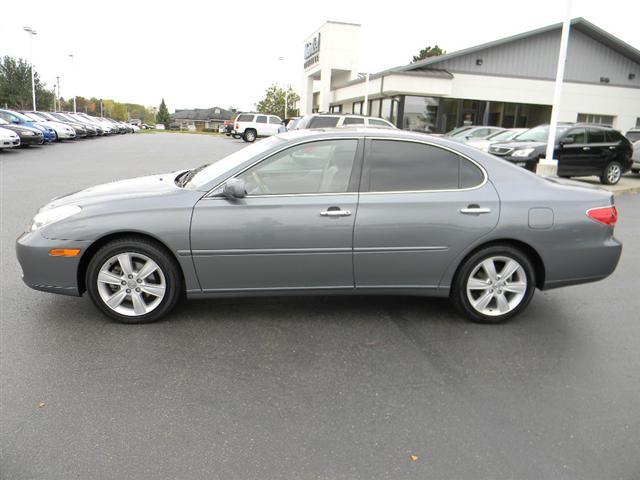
(163, 116)
(428, 52)
(273, 102)
(15, 86)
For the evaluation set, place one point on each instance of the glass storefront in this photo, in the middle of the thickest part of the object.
(420, 113)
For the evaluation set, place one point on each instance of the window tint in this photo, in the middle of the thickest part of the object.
(378, 123)
(596, 136)
(316, 167)
(579, 135)
(274, 120)
(261, 119)
(244, 118)
(394, 166)
(615, 136)
(323, 122)
(353, 121)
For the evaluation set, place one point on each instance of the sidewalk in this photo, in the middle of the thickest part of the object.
(629, 183)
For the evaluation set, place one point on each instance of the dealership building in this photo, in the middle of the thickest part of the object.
(507, 82)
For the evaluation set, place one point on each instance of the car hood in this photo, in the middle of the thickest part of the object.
(119, 190)
(520, 144)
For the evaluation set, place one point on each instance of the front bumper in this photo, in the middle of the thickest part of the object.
(9, 142)
(31, 139)
(42, 271)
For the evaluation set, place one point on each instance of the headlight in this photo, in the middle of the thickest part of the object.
(525, 152)
(53, 215)
(26, 132)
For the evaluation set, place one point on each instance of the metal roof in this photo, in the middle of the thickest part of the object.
(578, 23)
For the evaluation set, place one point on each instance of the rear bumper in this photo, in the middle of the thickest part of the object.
(586, 264)
(41, 271)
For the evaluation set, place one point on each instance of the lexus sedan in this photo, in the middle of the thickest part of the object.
(336, 211)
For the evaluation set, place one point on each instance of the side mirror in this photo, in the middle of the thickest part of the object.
(235, 188)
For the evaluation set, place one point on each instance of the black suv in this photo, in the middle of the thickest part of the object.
(581, 150)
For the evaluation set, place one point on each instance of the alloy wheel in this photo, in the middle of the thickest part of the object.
(131, 284)
(613, 173)
(496, 286)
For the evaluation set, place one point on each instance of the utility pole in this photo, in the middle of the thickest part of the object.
(31, 33)
(58, 94)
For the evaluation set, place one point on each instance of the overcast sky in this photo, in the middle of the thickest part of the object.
(205, 53)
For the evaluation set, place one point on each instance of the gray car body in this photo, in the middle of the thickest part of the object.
(395, 243)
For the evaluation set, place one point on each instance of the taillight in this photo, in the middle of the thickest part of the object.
(606, 215)
(237, 126)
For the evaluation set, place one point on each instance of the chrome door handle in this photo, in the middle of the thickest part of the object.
(474, 210)
(586, 148)
(336, 213)
(612, 148)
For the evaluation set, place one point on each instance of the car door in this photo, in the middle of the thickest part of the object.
(603, 150)
(421, 206)
(294, 228)
(274, 124)
(575, 155)
(262, 125)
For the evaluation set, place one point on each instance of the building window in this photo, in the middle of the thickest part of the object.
(335, 108)
(374, 108)
(420, 114)
(595, 118)
(638, 122)
(356, 108)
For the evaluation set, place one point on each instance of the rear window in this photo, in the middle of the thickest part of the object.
(244, 118)
(614, 136)
(323, 122)
(633, 136)
(378, 123)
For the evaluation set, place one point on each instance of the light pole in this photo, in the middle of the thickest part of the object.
(286, 91)
(31, 33)
(73, 73)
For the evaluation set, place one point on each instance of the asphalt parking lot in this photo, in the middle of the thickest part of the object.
(305, 388)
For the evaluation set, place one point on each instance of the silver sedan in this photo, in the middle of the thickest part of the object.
(326, 212)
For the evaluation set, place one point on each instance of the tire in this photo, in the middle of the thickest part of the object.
(249, 135)
(143, 300)
(517, 290)
(611, 173)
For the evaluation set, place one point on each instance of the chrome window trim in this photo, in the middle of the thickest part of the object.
(364, 138)
(480, 185)
(302, 142)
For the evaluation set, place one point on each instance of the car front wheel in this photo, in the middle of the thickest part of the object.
(494, 284)
(133, 280)
(611, 174)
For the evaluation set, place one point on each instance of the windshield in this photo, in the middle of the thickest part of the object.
(23, 118)
(506, 135)
(214, 170)
(34, 116)
(539, 134)
(456, 131)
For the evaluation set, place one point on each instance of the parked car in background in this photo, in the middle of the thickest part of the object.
(17, 118)
(250, 126)
(633, 135)
(635, 157)
(228, 127)
(287, 215)
(63, 131)
(8, 138)
(81, 132)
(472, 132)
(91, 129)
(28, 135)
(581, 150)
(498, 137)
(331, 120)
(289, 124)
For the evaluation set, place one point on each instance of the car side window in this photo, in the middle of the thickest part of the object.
(274, 121)
(378, 123)
(244, 118)
(397, 166)
(261, 119)
(579, 135)
(479, 133)
(596, 135)
(353, 121)
(317, 167)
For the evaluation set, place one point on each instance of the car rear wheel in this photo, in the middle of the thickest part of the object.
(249, 135)
(133, 280)
(611, 174)
(494, 284)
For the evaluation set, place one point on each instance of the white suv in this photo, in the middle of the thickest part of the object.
(250, 126)
(328, 120)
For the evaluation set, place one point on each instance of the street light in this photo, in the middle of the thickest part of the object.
(286, 91)
(73, 73)
(31, 33)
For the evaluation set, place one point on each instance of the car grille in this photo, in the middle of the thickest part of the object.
(500, 150)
